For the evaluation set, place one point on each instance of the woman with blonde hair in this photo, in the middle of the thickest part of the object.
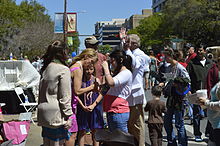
(83, 60)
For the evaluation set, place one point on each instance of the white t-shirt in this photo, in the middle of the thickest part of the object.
(123, 84)
(203, 62)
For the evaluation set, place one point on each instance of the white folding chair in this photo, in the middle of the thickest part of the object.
(28, 106)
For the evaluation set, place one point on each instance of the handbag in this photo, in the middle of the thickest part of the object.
(167, 90)
(16, 131)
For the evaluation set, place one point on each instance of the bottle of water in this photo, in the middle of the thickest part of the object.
(26, 99)
(11, 56)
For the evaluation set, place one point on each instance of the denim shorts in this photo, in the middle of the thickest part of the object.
(118, 121)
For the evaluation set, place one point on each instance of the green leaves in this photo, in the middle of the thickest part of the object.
(151, 30)
(27, 29)
(104, 49)
(196, 21)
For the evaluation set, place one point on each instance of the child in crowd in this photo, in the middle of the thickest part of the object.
(90, 113)
(155, 107)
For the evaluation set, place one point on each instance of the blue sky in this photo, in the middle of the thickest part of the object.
(96, 10)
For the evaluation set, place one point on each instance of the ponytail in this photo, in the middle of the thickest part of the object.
(127, 62)
(122, 60)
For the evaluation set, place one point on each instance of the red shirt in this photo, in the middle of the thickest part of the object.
(160, 57)
(115, 104)
(190, 57)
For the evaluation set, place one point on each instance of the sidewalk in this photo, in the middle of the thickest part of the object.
(35, 139)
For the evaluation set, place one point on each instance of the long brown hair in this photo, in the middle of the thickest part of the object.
(57, 50)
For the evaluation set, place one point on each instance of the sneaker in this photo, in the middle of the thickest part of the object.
(198, 139)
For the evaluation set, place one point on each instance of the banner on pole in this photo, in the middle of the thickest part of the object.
(59, 22)
(70, 41)
(71, 22)
(58, 26)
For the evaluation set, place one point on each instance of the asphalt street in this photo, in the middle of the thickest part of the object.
(34, 137)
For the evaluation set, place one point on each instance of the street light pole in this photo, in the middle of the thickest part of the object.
(65, 22)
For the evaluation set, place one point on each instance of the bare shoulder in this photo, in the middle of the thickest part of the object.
(75, 65)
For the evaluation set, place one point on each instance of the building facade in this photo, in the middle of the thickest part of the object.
(157, 5)
(134, 20)
(107, 32)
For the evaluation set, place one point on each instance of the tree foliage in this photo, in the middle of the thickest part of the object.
(195, 21)
(152, 31)
(76, 43)
(104, 49)
(26, 28)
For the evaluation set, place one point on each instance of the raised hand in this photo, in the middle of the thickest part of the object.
(105, 65)
(122, 33)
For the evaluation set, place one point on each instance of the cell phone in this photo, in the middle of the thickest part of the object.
(104, 89)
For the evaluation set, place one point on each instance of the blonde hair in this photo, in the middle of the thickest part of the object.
(89, 52)
(135, 39)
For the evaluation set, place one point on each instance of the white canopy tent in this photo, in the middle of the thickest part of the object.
(18, 73)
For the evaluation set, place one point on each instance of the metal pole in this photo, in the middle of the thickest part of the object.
(65, 22)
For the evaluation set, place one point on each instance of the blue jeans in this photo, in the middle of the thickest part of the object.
(179, 124)
(190, 110)
(118, 121)
(197, 113)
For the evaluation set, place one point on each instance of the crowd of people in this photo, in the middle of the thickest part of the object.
(72, 98)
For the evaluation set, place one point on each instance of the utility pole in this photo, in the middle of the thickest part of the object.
(65, 22)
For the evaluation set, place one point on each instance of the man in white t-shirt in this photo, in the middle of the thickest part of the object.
(137, 98)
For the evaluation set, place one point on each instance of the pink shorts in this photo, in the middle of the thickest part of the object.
(74, 127)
